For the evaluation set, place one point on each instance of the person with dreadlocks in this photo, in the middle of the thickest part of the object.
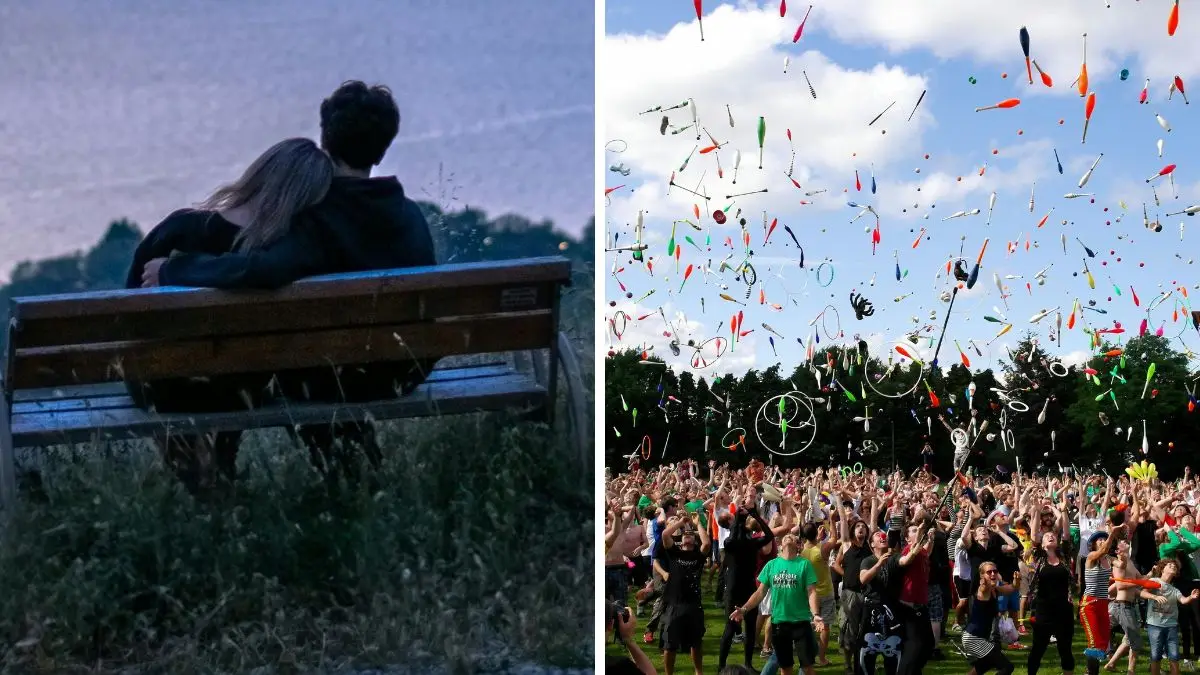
(854, 550)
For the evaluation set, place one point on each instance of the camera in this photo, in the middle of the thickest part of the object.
(615, 609)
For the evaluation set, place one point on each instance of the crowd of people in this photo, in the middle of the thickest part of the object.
(909, 569)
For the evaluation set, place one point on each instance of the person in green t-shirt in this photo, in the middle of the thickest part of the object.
(795, 606)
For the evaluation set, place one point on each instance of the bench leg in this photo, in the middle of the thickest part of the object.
(581, 427)
(8, 459)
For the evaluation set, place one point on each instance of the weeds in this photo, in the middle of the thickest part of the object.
(476, 552)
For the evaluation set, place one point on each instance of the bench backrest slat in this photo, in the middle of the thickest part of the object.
(368, 317)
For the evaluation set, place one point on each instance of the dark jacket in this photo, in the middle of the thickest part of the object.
(186, 230)
(363, 224)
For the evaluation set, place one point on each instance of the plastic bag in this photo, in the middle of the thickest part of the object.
(1007, 630)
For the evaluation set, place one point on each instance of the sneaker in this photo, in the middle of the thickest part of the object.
(1053, 640)
(738, 638)
(1015, 645)
(648, 637)
(956, 628)
(1021, 629)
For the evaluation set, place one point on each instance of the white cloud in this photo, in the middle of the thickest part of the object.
(676, 67)
(1131, 35)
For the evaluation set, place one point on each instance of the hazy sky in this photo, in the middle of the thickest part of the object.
(134, 108)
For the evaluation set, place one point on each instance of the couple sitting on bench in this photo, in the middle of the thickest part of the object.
(298, 211)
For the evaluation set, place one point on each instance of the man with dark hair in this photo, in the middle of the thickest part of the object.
(358, 124)
(363, 224)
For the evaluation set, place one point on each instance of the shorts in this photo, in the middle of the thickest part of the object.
(795, 643)
(764, 607)
(851, 627)
(1026, 584)
(828, 607)
(963, 588)
(616, 584)
(682, 629)
(1163, 640)
(937, 607)
(1009, 603)
(1125, 615)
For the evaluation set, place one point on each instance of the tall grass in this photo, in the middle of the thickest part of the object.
(475, 552)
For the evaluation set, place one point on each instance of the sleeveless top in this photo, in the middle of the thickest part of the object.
(1096, 580)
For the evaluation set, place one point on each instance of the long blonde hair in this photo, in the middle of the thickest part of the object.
(290, 176)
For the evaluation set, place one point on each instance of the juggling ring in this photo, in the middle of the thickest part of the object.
(868, 379)
(1055, 372)
(857, 470)
(749, 276)
(700, 347)
(831, 273)
(772, 292)
(801, 400)
(747, 272)
(741, 439)
(645, 447)
(869, 447)
(1017, 406)
(837, 315)
(612, 323)
(1009, 438)
(959, 437)
(616, 140)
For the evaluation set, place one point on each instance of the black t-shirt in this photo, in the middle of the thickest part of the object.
(685, 569)
(1006, 563)
(939, 560)
(1145, 553)
(740, 552)
(1053, 588)
(888, 582)
(976, 556)
(852, 564)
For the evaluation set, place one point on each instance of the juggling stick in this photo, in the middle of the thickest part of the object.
(1087, 114)
(917, 104)
(1006, 103)
(1144, 583)
(953, 295)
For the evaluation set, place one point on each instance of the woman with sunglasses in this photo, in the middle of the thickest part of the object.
(982, 653)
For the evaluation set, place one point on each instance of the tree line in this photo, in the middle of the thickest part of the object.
(465, 235)
(1095, 409)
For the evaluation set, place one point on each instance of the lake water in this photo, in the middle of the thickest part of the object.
(133, 108)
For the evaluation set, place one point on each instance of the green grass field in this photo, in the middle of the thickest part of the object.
(954, 663)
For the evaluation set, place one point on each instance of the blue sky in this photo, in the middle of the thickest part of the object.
(860, 57)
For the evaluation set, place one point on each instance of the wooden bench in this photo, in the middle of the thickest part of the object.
(66, 353)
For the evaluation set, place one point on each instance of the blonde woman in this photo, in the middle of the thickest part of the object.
(982, 653)
(248, 214)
